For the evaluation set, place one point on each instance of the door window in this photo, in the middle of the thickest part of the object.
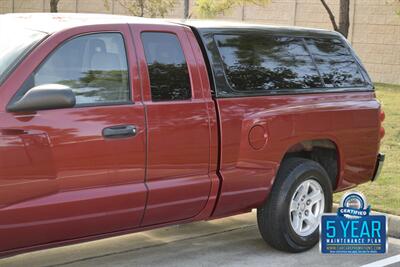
(94, 66)
(168, 71)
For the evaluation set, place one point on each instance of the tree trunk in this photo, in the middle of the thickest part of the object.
(53, 6)
(344, 17)
(186, 9)
(141, 6)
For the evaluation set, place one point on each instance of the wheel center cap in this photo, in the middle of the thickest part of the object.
(303, 207)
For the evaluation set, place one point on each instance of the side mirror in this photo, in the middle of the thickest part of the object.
(47, 96)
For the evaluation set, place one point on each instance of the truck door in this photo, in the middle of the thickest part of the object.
(74, 172)
(178, 129)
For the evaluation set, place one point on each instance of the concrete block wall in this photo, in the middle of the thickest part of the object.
(376, 38)
(374, 30)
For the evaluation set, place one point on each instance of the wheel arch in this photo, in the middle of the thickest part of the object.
(325, 151)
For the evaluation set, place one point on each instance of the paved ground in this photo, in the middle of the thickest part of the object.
(227, 242)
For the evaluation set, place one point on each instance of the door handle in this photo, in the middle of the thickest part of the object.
(120, 131)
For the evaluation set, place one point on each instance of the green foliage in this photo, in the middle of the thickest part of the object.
(148, 8)
(213, 8)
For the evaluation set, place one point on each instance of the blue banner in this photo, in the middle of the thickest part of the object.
(364, 235)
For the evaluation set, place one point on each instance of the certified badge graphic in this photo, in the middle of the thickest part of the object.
(353, 206)
(353, 230)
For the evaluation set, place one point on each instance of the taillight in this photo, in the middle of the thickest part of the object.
(382, 132)
(381, 118)
(382, 115)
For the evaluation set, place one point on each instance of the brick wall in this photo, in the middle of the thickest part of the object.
(374, 29)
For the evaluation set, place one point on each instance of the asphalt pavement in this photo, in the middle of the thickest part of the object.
(233, 241)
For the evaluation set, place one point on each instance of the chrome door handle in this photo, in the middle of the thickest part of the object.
(120, 131)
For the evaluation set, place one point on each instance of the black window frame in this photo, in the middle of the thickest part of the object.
(221, 83)
(27, 85)
(190, 99)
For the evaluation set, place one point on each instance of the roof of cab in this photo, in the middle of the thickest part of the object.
(222, 26)
(53, 22)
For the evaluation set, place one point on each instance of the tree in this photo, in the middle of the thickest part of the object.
(344, 18)
(141, 8)
(185, 9)
(54, 6)
(212, 8)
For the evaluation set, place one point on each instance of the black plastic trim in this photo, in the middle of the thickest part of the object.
(380, 159)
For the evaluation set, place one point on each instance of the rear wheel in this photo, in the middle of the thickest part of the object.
(290, 217)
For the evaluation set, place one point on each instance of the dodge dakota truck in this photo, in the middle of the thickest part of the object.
(113, 124)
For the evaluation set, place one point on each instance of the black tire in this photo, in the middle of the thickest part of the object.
(273, 216)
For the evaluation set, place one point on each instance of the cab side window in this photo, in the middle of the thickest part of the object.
(94, 66)
(168, 70)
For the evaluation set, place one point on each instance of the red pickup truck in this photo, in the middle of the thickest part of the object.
(113, 124)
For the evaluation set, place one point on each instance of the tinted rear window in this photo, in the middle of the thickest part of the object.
(337, 66)
(258, 62)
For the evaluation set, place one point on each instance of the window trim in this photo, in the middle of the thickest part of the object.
(368, 87)
(190, 99)
(26, 87)
(313, 61)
